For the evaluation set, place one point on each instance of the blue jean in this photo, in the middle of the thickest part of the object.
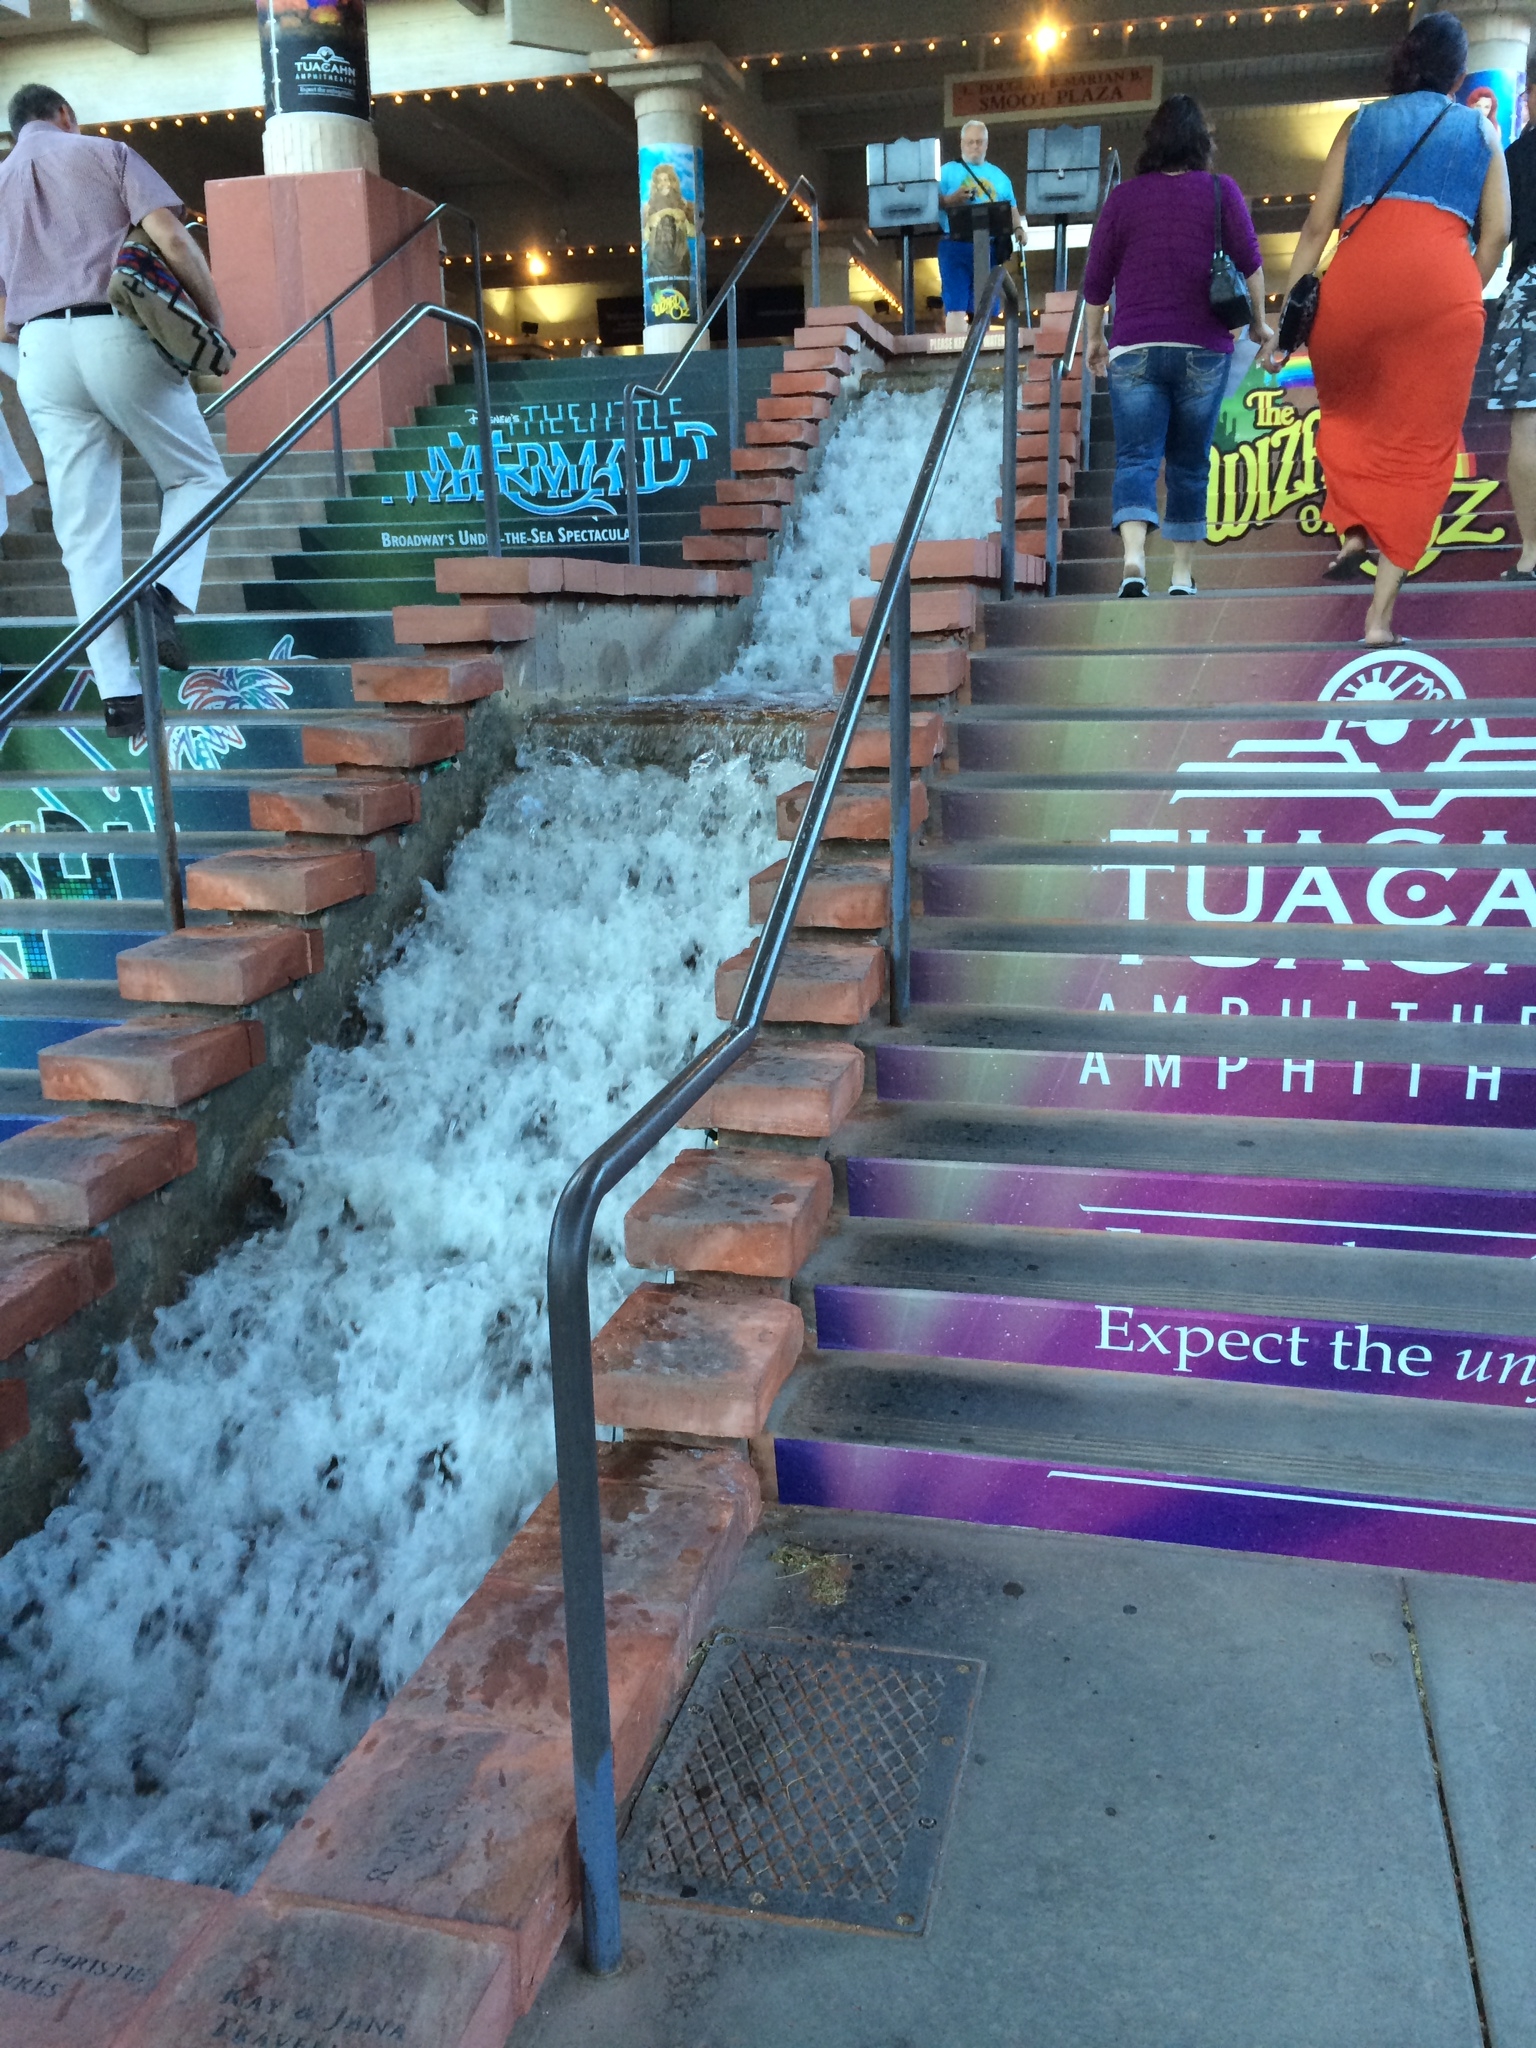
(957, 270)
(1165, 401)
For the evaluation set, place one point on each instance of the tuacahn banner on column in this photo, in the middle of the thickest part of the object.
(314, 56)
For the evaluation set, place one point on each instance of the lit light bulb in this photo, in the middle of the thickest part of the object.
(1045, 38)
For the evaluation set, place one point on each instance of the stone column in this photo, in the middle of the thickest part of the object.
(314, 61)
(1498, 48)
(667, 89)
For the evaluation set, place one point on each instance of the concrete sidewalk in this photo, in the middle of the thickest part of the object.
(1200, 1810)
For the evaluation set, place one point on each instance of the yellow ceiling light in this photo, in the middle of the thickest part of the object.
(537, 267)
(1046, 38)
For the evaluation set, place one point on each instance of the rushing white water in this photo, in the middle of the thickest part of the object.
(855, 502)
(341, 1423)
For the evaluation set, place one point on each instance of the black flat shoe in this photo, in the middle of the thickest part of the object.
(123, 716)
(1517, 575)
(1346, 565)
(1133, 586)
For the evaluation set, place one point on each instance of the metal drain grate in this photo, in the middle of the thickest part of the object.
(811, 1781)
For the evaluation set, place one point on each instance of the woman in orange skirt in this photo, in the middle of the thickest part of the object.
(1400, 316)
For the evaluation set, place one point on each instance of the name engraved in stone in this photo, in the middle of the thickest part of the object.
(260, 2022)
(42, 1969)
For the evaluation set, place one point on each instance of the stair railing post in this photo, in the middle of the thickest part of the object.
(1008, 511)
(1052, 483)
(159, 763)
(631, 484)
(490, 476)
(732, 369)
(900, 645)
(908, 287)
(1085, 420)
(330, 378)
(815, 251)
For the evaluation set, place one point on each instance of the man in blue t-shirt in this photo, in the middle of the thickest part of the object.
(971, 181)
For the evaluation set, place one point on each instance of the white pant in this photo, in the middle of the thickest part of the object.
(88, 386)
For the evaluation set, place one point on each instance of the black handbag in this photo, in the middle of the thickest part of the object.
(1300, 309)
(1229, 291)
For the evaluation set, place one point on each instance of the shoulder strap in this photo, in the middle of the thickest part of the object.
(1216, 188)
(1407, 160)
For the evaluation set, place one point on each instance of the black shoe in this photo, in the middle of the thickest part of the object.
(169, 645)
(124, 716)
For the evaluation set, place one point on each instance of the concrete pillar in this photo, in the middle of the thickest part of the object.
(1498, 49)
(314, 62)
(668, 89)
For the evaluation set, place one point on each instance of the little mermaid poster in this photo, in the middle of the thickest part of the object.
(671, 233)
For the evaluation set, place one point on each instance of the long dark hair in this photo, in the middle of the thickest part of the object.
(1431, 57)
(1178, 138)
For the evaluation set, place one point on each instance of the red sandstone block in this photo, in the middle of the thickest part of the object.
(1029, 564)
(1034, 420)
(733, 583)
(1035, 475)
(834, 361)
(82, 1951)
(1051, 338)
(1037, 506)
(794, 408)
(781, 434)
(225, 964)
(944, 561)
(830, 334)
(349, 807)
(458, 625)
(860, 810)
(805, 384)
(943, 608)
(394, 741)
(872, 743)
(14, 1424)
(1059, 302)
(816, 984)
(164, 1061)
(769, 461)
(502, 575)
(732, 1212)
(936, 672)
(796, 1088)
(675, 1360)
(725, 547)
(1041, 372)
(870, 330)
(1035, 446)
(755, 490)
(296, 881)
(741, 518)
(426, 682)
(75, 1171)
(848, 896)
(291, 1974)
(44, 1282)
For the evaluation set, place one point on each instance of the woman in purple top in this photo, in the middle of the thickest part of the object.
(1167, 357)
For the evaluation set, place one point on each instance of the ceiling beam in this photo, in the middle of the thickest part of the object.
(107, 18)
(507, 155)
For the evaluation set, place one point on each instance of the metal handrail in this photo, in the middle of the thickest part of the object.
(135, 591)
(1059, 369)
(325, 318)
(570, 1238)
(726, 296)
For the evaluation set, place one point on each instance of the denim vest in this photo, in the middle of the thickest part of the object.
(1447, 172)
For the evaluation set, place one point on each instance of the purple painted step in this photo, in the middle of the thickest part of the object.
(1373, 805)
(1309, 618)
(1429, 673)
(1189, 1084)
(1214, 1514)
(1098, 568)
(1494, 1222)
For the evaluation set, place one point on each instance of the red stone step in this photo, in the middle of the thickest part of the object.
(936, 672)
(806, 383)
(944, 561)
(296, 881)
(945, 609)
(741, 518)
(73, 1172)
(163, 1061)
(725, 547)
(769, 461)
(1035, 505)
(850, 896)
(816, 984)
(397, 740)
(685, 1363)
(755, 490)
(1059, 302)
(835, 361)
(1035, 446)
(829, 334)
(1037, 379)
(44, 1281)
(470, 622)
(864, 325)
(14, 1425)
(805, 408)
(427, 682)
(871, 746)
(1037, 474)
(350, 807)
(781, 434)
(228, 964)
(784, 1088)
(860, 810)
(757, 1213)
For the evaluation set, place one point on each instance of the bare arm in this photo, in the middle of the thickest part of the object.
(1095, 352)
(1492, 217)
(183, 256)
(1259, 329)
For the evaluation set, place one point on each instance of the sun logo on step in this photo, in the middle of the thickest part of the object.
(1358, 755)
(238, 687)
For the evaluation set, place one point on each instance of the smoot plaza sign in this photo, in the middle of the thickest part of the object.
(1051, 92)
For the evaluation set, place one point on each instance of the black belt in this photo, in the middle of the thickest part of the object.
(78, 312)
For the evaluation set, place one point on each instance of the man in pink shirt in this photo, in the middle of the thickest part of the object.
(90, 378)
